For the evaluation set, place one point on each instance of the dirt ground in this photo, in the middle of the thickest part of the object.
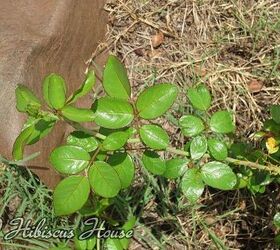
(234, 48)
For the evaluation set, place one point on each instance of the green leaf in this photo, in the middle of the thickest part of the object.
(198, 147)
(217, 149)
(192, 184)
(222, 122)
(113, 244)
(152, 162)
(199, 97)
(112, 113)
(70, 195)
(124, 166)
(191, 125)
(69, 159)
(81, 139)
(78, 114)
(42, 127)
(154, 136)
(104, 179)
(218, 175)
(126, 227)
(156, 100)
(275, 113)
(175, 168)
(115, 80)
(115, 140)
(84, 89)
(276, 220)
(54, 91)
(25, 99)
(20, 142)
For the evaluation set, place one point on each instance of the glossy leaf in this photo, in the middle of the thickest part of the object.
(276, 220)
(124, 166)
(70, 195)
(156, 100)
(25, 99)
(20, 142)
(192, 184)
(175, 168)
(78, 114)
(199, 97)
(217, 149)
(54, 91)
(69, 159)
(85, 88)
(191, 125)
(222, 122)
(218, 175)
(115, 80)
(112, 113)
(104, 179)
(275, 113)
(42, 127)
(81, 139)
(198, 147)
(153, 163)
(154, 136)
(115, 140)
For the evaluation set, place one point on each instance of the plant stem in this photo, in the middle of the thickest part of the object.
(271, 168)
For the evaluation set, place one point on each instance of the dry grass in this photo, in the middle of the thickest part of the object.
(233, 47)
(226, 44)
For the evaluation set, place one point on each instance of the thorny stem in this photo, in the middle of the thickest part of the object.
(273, 169)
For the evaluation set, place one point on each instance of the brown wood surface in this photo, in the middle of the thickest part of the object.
(38, 37)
